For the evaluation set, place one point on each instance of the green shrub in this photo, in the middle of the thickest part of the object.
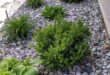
(52, 11)
(72, 1)
(34, 3)
(11, 66)
(18, 28)
(63, 44)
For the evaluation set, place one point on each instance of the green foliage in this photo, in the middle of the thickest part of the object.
(12, 66)
(72, 1)
(63, 44)
(34, 3)
(6, 66)
(18, 28)
(52, 11)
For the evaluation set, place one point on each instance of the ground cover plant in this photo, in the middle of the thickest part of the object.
(34, 3)
(63, 44)
(53, 11)
(18, 28)
(12, 66)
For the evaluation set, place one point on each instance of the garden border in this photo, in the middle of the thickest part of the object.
(104, 6)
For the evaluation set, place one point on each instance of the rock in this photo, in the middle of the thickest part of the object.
(92, 73)
(99, 49)
(106, 46)
(108, 66)
(108, 54)
(99, 72)
(94, 49)
(45, 73)
(97, 55)
(85, 73)
(96, 44)
(108, 41)
(103, 67)
(87, 69)
(1, 39)
(41, 68)
(51, 73)
(78, 73)
(105, 71)
(59, 72)
(72, 73)
(104, 31)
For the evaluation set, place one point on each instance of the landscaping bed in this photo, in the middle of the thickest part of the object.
(98, 63)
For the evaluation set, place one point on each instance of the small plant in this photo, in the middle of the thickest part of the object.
(53, 11)
(62, 45)
(11, 66)
(34, 3)
(69, 1)
(18, 28)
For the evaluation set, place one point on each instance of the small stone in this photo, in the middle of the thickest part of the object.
(94, 49)
(73, 73)
(51, 73)
(106, 46)
(105, 63)
(99, 49)
(108, 66)
(108, 42)
(1, 39)
(45, 73)
(41, 68)
(99, 72)
(87, 69)
(108, 55)
(92, 73)
(105, 71)
(85, 73)
(78, 73)
(103, 67)
(104, 31)
(59, 72)
(96, 44)
(97, 55)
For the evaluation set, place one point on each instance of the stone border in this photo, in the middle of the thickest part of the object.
(105, 9)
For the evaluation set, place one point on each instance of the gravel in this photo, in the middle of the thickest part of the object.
(89, 12)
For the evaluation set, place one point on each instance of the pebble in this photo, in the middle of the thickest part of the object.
(51, 73)
(96, 44)
(106, 46)
(78, 73)
(108, 66)
(92, 73)
(85, 73)
(99, 72)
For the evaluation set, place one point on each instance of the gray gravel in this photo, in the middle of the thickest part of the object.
(89, 11)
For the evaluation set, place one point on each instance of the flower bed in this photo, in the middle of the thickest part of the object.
(89, 12)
